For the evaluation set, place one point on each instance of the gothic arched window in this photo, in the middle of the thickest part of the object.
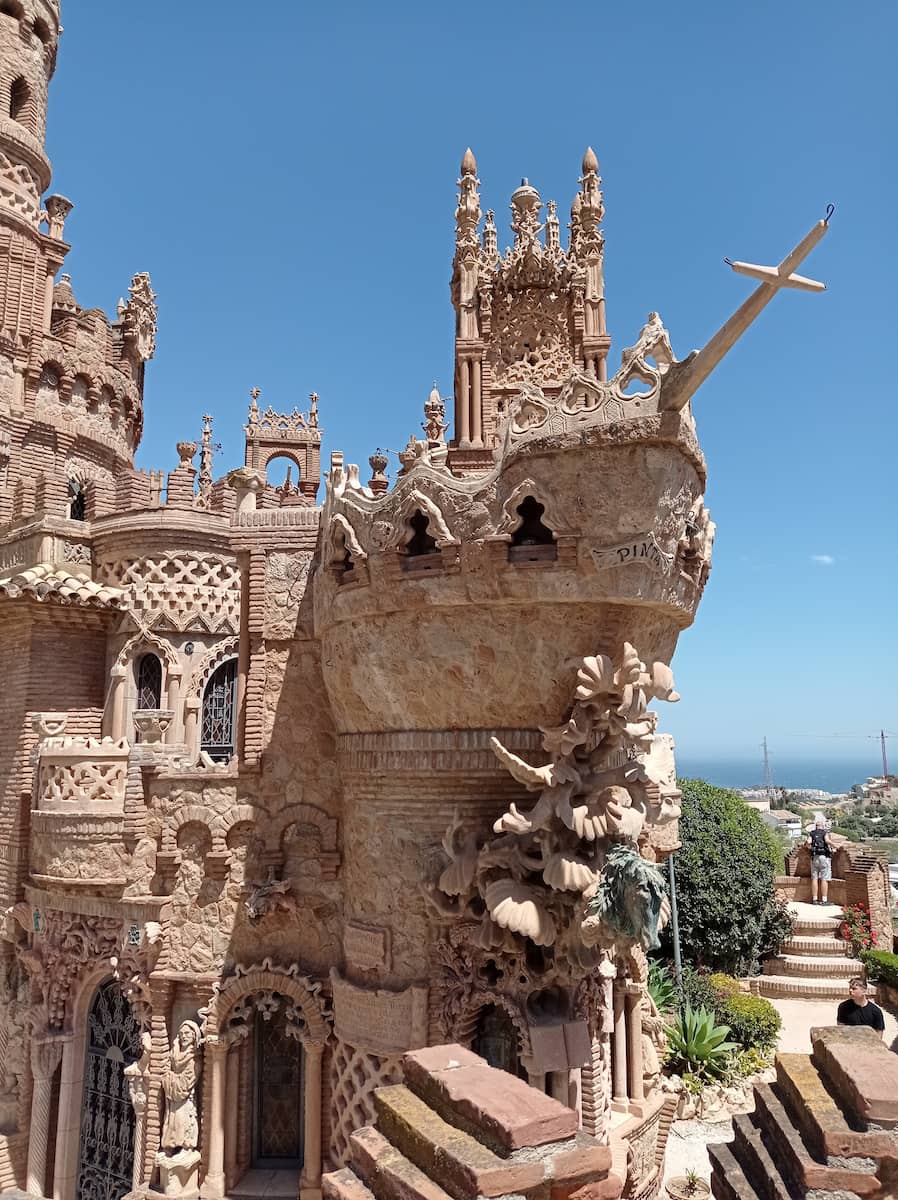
(496, 1040)
(220, 712)
(421, 542)
(149, 682)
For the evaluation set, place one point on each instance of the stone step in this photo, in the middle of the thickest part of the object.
(386, 1172)
(344, 1185)
(807, 987)
(793, 1158)
(500, 1110)
(861, 1070)
(452, 1158)
(828, 967)
(820, 946)
(812, 925)
(821, 1121)
(755, 1162)
(728, 1180)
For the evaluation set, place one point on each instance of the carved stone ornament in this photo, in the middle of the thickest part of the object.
(568, 872)
(151, 724)
(139, 316)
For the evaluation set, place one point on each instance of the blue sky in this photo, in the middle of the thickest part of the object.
(286, 172)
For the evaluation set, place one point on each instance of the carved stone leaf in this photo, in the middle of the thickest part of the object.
(595, 677)
(459, 875)
(516, 907)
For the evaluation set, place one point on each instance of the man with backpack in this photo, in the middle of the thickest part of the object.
(821, 861)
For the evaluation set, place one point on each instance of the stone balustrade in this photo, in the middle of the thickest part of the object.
(81, 775)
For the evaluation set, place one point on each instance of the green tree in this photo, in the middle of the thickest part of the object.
(729, 916)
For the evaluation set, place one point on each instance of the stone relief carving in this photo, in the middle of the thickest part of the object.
(695, 545)
(273, 896)
(568, 873)
(64, 945)
(139, 316)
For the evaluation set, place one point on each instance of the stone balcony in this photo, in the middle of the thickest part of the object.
(78, 815)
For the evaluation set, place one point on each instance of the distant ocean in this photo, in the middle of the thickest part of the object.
(787, 772)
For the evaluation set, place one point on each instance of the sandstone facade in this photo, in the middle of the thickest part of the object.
(287, 790)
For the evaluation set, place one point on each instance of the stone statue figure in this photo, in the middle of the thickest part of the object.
(181, 1128)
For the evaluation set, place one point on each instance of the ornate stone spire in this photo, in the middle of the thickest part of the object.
(467, 212)
(490, 239)
(526, 205)
(553, 231)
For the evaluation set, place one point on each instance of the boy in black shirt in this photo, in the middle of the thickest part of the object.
(858, 1010)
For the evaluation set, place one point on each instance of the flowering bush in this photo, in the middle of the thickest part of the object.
(856, 928)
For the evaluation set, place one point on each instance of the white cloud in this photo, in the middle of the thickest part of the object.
(823, 560)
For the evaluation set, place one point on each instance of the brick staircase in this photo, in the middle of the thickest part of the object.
(814, 963)
(827, 1127)
(457, 1129)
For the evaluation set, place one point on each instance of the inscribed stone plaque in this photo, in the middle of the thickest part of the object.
(366, 948)
(642, 548)
(379, 1021)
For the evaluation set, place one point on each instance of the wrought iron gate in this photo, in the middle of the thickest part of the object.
(106, 1154)
(278, 1101)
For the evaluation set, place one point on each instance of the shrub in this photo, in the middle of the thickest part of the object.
(662, 987)
(750, 1062)
(857, 928)
(754, 1022)
(728, 914)
(881, 965)
(698, 1045)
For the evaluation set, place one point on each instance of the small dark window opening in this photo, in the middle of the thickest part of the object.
(19, 96)
(11, 8)
(77, 501)
(421, 542)
(42, 31)
(149, 682)
(496, 1040)
(532, 541)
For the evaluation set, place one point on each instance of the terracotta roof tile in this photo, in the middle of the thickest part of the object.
(46, 582)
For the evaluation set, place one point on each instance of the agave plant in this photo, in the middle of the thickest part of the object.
(662, 987)
(696, 1043)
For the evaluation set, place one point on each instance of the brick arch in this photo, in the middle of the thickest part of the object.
(190, 814)
(307, 814)
(267, 454)
(267, 977)
(209, 664)
(237, 814)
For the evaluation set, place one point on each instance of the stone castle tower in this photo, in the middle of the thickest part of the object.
(289, 789)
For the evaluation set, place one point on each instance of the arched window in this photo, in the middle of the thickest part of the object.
(532, 540)
(42, 31)
(19, 100)
(149, 682)
(421, 541)
(77, 501)
(220, 712)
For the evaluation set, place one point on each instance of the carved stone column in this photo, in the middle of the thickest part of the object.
(46, 1055)
(310, 1183)
(216, 1060)
(117, 677)
(619, 1051)
(232, 1090)
(175, 732)
(191, 725)
(634, 1042)
(138, 1091)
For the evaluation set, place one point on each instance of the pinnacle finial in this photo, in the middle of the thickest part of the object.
(590, 162)
(468, 163)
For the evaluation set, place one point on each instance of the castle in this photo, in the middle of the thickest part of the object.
(288, 789)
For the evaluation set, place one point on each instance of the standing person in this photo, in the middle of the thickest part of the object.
(858, 1010)
(821, 861)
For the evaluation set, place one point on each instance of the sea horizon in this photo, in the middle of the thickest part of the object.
(790, 773)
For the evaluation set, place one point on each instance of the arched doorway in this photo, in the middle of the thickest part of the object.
(278, 1090)
(496, 1040)
(220, 712)
(106, 1148)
